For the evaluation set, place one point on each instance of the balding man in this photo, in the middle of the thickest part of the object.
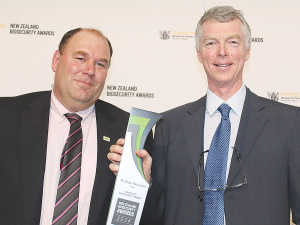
(53, 144)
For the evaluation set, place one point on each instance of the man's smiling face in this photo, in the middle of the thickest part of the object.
(223, 52)
(81, 70)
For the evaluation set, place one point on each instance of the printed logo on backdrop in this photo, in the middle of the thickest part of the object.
(29, 29)
(126, 92)
(176, 35)
(257, 39)
(287, 97)
(164, 34)
(273, 96)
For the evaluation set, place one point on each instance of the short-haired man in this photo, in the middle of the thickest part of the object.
(44, 178)
(231, 157)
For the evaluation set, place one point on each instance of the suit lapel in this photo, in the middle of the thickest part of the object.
(33, 136)
(104, 179)
(192, 127)
(249, 129)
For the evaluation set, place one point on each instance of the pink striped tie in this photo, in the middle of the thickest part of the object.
(66, 206)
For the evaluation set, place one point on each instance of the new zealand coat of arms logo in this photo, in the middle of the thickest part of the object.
(164, 34)
(273, 96)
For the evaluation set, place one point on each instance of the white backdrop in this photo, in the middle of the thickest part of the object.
(162, 73)
(166, 73)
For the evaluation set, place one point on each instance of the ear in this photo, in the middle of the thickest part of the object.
(247, 54)
(199, 56)
(55, 60)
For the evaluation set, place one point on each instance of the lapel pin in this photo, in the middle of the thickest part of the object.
(106, 138)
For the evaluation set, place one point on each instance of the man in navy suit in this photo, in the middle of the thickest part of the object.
(34, 131)
(262, 164)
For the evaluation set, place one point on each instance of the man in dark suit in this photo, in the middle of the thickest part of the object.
(262, 169)
(34, 130)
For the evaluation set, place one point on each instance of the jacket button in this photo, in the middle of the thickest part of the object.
(200, 199)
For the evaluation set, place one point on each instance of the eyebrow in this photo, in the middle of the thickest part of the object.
(208, 38)
(214, 38)
(85, 54)
(234, 36)
(81, 53)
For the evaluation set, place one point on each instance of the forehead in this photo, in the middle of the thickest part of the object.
(87, 40)
(214, 28)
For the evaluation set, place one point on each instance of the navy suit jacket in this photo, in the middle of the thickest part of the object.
(23, 143)
(269, 142)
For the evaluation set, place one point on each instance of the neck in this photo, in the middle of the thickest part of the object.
(72, 105)
(225, 91)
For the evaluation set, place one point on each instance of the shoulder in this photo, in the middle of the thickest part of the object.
(185, 110)
(272, 103)
(173, 118)
(279, 115)
(21, 101)
(111, 110)
(271, 106)
(11, 108)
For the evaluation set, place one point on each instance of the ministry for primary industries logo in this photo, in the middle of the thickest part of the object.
(285, 97)
(164, 34)
(177, 35)
(273, 96)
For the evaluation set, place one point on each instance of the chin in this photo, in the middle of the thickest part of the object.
(81, 97)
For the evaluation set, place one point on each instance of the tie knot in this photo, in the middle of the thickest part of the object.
(72, 117)
(224, 109)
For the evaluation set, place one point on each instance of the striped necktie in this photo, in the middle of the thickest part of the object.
(66, 206)
(215, 171)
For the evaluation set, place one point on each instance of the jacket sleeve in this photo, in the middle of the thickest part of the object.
(153, 212)
(294, 172)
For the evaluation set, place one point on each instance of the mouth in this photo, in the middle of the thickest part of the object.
(222, 65)
(87, 84)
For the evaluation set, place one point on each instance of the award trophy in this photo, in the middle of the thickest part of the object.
(131, 188)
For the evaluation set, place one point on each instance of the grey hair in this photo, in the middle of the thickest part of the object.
(223, 14)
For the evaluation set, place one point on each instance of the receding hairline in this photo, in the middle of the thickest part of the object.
(70, 34)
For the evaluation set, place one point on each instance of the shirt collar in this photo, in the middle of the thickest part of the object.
(236, 102)
(59, 110)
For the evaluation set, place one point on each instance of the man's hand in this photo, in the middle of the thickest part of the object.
(115, 156)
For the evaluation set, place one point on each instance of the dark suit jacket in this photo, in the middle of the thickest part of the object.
(23, 143)
(270, 155)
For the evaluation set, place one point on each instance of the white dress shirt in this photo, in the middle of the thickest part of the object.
(58, 131)
(213, 119)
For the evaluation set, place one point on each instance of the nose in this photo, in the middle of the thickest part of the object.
(222, 51)
(89, 68)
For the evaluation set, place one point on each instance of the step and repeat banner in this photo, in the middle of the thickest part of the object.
(154, 65)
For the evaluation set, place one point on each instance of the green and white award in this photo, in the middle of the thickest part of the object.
(131, 188)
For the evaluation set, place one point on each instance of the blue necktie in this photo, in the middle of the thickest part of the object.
(215, 171)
